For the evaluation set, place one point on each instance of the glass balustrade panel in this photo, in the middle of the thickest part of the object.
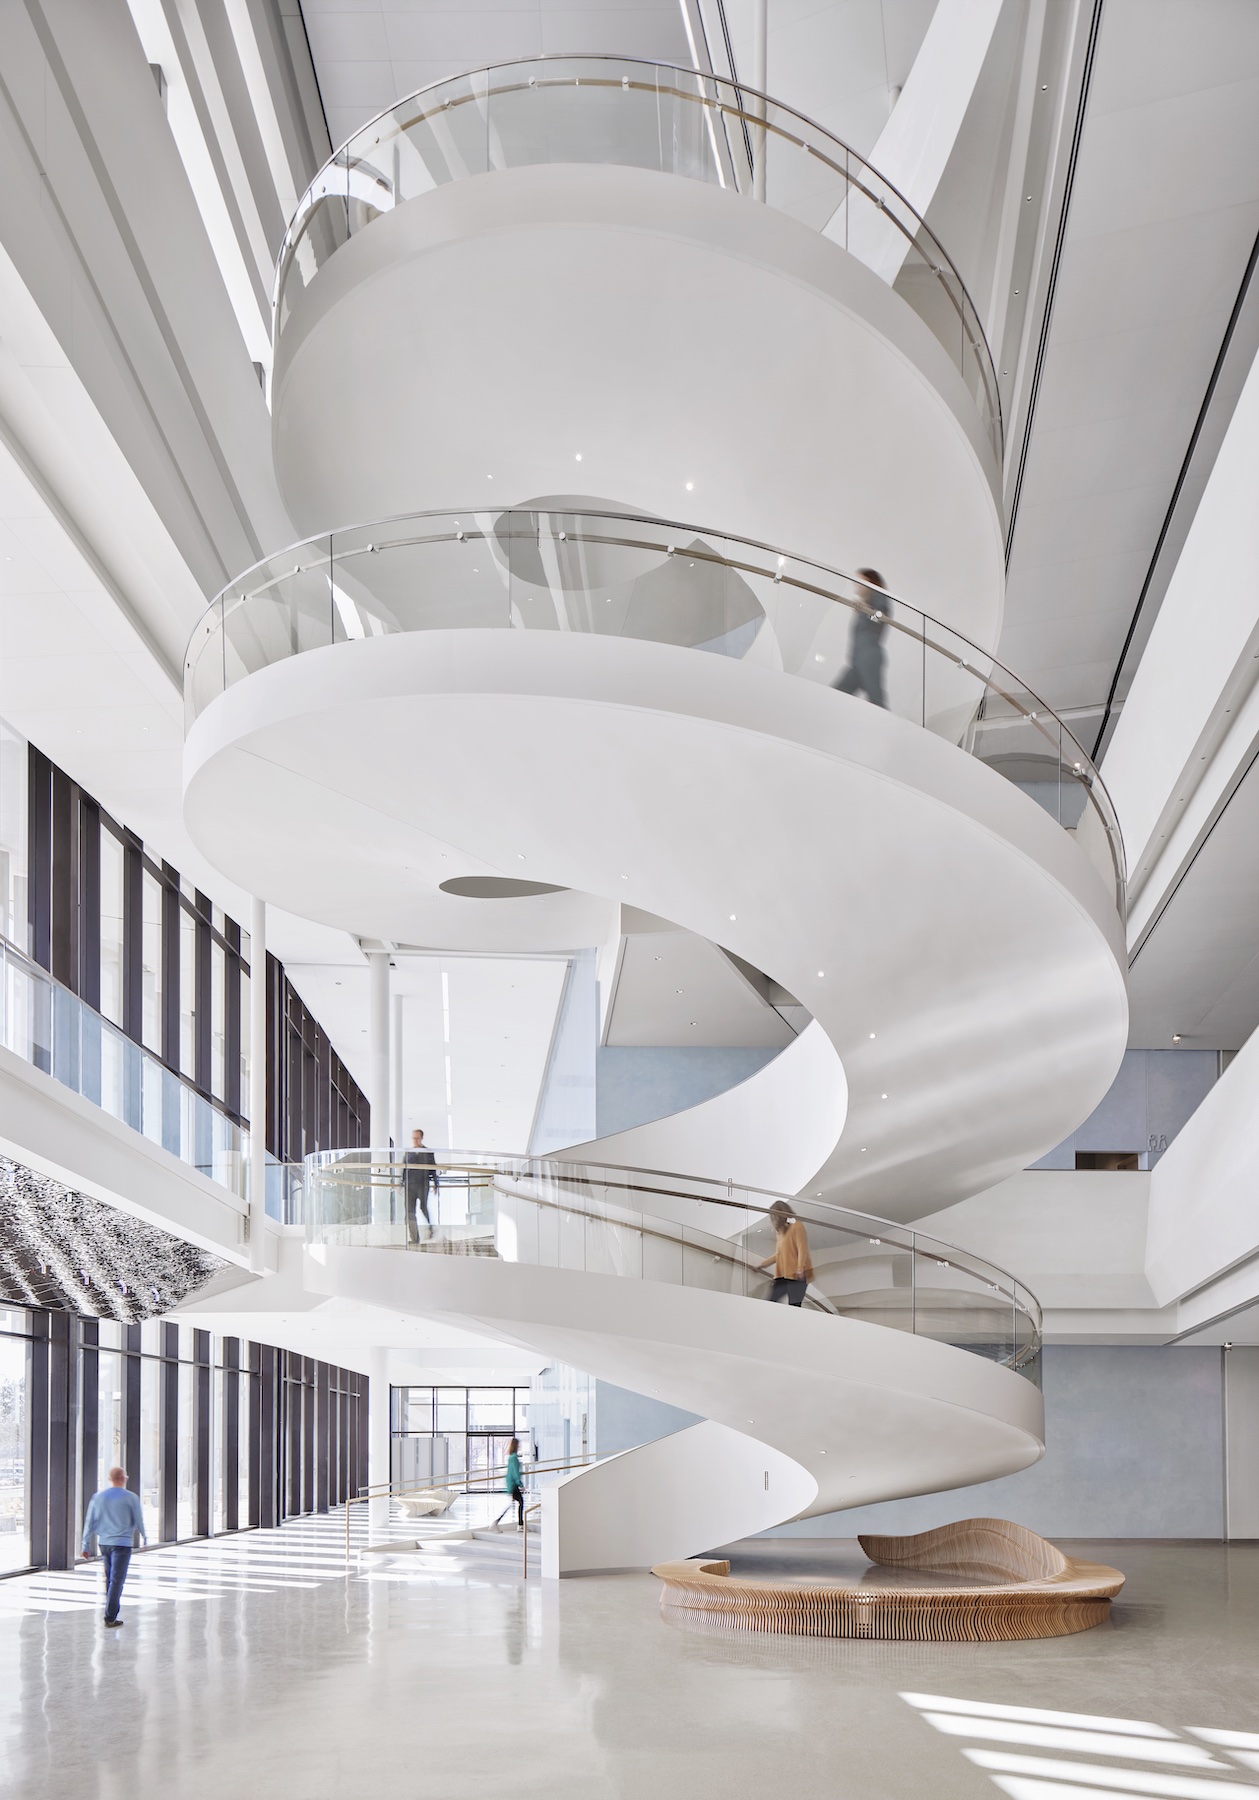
(705, 1236)
(614, 111)
(282, 613)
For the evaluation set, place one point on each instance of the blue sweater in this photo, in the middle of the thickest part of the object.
(114, 1515)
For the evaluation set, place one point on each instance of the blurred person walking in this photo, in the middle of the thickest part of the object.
(114, 1515)
(793, 1265)
(419, 1171)
(866, 655)
(514, 1484)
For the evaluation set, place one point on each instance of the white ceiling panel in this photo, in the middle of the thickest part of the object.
(476, 1038)
(368, 54)
(1163, 215)
(674, 988)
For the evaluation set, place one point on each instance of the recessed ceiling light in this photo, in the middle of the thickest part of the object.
(579, 456)
(821, 974)
(882, 1096)
(732, 917)
(872, 1037)
(689, 486)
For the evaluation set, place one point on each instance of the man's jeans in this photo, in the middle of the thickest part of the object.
(117, 1560)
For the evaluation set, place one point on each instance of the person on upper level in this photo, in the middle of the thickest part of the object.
(866, 655)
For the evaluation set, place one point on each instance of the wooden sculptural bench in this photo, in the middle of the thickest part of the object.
(1029, 1590)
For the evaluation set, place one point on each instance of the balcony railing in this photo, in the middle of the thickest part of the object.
(629, 577)
(642, 115)
(55, 1031)
(647, 1226)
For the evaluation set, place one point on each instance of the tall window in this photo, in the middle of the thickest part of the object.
(112, 955)
(218, 1021)
(13, 835)
(15, 1531)
(187, 993)
(151, 965)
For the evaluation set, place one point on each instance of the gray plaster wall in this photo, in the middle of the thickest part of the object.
(1134, 1449)
(1154, 1095)
(623, 1419)
(639, 1083)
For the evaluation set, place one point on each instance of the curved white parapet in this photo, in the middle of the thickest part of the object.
(832, 1411)
(775, 1130)
(960, 954)
(705, 1485)
(764, 380)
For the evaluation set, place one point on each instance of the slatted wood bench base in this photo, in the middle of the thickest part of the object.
(1055, 1597)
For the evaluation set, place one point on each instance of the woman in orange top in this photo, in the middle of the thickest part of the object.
(793, 1266)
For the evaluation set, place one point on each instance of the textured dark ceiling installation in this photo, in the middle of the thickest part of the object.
(63, 1249)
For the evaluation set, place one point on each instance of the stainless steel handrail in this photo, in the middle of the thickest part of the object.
(381, 1169)
(326, 550)
(751, 108)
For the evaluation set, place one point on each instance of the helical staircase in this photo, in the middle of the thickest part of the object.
(593, 276)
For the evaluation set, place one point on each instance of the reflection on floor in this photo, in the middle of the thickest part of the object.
(299, 1554)
(255, 1666)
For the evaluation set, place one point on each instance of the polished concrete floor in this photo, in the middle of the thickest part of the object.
(254, 1667)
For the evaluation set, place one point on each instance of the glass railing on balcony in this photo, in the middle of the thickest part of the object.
(687, 1232)
(628, 577)
(53, 1030)
(642, 115)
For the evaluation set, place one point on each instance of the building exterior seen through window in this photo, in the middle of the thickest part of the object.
(456, 1433)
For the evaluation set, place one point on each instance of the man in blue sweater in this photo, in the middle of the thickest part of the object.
(114, 1515)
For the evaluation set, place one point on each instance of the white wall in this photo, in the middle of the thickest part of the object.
(1203, 1218)
(1134, 1449)
(1201, 642)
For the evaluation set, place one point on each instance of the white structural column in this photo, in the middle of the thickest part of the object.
(396, 1070)
(378, 1437)
(257, 1085)
(378, 1038)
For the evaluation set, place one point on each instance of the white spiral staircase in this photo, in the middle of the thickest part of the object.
(637, 709)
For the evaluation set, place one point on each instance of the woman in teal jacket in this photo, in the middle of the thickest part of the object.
(514, 1482)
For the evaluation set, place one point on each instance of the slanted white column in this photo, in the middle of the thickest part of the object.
(760, 62)
(398, 1121)
(378, 1437)
(257, 1086)
(378, 1038)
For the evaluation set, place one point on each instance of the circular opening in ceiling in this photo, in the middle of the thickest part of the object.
(496, 887)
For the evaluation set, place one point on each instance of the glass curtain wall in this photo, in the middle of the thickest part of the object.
(15, 1358)
(139, 943)
(456, 1433)
(218, 1434)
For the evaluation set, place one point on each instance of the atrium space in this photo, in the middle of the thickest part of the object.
(629, 898)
